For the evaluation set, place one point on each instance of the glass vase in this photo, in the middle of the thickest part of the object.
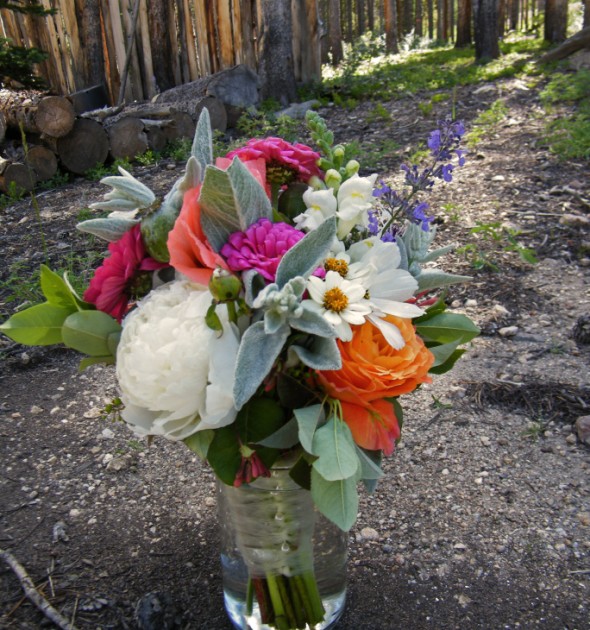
(283, 563)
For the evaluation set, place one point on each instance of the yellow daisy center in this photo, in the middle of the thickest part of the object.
(335, 300)
(338, 265)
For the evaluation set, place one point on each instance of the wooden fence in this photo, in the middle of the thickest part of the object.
(174, 42)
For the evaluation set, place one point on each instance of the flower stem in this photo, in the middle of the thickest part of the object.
(280, 620)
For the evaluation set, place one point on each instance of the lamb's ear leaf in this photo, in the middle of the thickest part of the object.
(322, 354)
(433, 279)
(306, 255)
(109, 229)
(256, 356)
(253, 202)
(202, 147)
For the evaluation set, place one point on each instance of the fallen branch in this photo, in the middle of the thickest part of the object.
(33, 594)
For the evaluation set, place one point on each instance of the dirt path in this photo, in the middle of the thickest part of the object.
(483, 519)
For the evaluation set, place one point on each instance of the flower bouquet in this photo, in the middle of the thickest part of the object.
(268, 312)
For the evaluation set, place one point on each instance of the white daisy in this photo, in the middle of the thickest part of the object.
(341, 302)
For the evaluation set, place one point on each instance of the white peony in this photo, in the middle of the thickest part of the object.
(175, 373)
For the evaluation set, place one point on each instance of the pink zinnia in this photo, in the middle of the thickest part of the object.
(260, 247)
(285, 162)
(123, 277)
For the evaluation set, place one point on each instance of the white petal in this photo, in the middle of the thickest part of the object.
(389, 331)
(398, 309)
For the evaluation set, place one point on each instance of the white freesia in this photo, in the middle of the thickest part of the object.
(175, 373)
(355, 199)
(321, 205)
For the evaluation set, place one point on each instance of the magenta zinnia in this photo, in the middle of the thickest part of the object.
(285, 162)
(260, 247)
(123, 277)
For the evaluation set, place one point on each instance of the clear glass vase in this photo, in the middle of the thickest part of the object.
(283, 563)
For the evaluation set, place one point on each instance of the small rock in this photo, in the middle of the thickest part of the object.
(571, 439)
(74, 513)
(582, 427)
(574, 220)
(498, 178)
(59, 532)
(368, 533)
(508, 331)
(118, 463)
(485, 440)
(35, 410)
(584, 518)
(470, 303)
(156, 611)
(210, 502)
(95, 412)
(171, 166)
(107, 434)
(499, 311)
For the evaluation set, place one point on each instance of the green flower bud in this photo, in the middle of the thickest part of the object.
(333, 179)
(352, 168)
(224, 285)
(316, 183)
(338, 151)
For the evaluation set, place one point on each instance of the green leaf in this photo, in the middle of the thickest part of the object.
(443, 352)
(448, 364)
(200, 441)
(307, 421)
(448, 327)
(301, 473)
(91, 332)
(56, 290)
(286, 437)
(202, 148)
(259, 418)
(39, 325)
(370, 463)
(307, 254)
(224, 454)
(294, 392)
(336, 500)
(86, 362)
(334, 445)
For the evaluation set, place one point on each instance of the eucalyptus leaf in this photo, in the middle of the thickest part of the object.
(39, 325)
(109, 229)
(256, 356)
(202, 147)
(335, 446)
(447, 328)
(336, 500)
(56, 290)
(308, 419)
(200, 441)
(224, 454)
(370, 463)
(286, 437)
(307, 254)
(89, 332)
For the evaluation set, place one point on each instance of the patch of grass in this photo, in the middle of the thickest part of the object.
(103, 170)
(391, 76)
(376, 152)
(57, 181)
(569, 135)
(21, 286)
(178, 150)
(379, 113)
(12, 195)
(257, 124)
(148, 158)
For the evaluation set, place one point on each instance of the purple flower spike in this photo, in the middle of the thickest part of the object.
(260, 247)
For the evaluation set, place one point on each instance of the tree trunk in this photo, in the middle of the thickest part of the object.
(16, 177)
(514, 12)
(2, 127)
(86, 146)
(49, 115)
(430, 10)
(576, 42)
(371, 15)
(43, 162)
(485, 20)
(348, 19)
(335, 32)
(418, 26)
(160, 44)
(501, 17)
(360, 17)
(390, 15)
(275, 65)
(440, 20)
(127, 138)
(463, 24)
(586, 13)
(408, 17)
(555, 21)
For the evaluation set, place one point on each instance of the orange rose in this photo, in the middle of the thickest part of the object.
(371, 371)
